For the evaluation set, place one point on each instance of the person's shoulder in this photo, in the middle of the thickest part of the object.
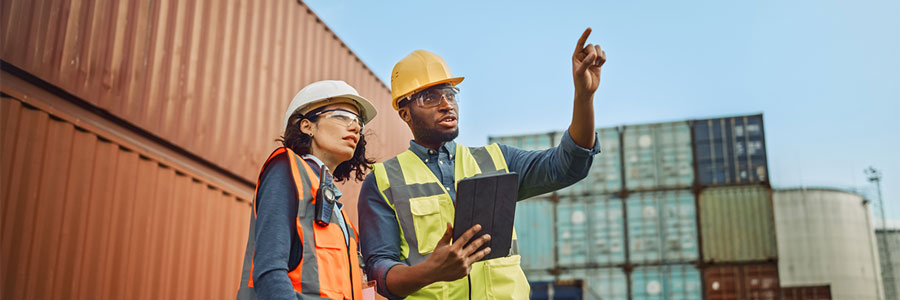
(279, 164)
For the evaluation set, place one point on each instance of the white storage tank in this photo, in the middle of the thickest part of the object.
(825, 237)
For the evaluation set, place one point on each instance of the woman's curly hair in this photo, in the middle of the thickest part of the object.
(300, 143)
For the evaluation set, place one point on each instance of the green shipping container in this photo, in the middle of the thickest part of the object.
(737, 224)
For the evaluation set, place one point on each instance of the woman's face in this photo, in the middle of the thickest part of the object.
(333, 138)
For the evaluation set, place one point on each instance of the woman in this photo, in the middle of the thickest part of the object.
(301, 244)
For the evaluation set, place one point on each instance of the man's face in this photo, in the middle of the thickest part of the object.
(434, 125)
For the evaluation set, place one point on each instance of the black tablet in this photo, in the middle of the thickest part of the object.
(489, 200)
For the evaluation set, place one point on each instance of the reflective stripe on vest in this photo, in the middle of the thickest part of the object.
(423, 207)
(340, 276)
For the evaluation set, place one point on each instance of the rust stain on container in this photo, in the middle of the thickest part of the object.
(212, 77)
(87, 217)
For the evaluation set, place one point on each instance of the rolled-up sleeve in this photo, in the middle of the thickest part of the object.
(379, 235)
(544, 171)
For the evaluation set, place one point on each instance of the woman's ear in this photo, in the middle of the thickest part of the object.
(307, 127)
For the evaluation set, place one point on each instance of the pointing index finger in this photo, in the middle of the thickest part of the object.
(581, 40)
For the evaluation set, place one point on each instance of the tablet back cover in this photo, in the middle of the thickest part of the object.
(489, 200)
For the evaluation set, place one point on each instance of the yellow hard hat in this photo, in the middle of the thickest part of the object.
(418, 71)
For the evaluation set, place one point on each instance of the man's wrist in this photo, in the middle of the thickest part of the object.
(583, 96)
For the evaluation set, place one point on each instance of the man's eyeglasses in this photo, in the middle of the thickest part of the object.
(432, 96)
(342, 116)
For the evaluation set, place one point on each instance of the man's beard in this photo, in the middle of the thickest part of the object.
(424, 133)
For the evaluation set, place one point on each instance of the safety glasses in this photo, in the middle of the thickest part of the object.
(342, 116)
(432, 96)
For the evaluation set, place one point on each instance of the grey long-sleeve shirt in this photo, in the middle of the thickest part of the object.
(539, 172)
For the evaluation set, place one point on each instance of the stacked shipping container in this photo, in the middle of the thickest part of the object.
(736, 219)
(133, 133)
(634, 219)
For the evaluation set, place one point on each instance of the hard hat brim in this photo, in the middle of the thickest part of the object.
(454, 81)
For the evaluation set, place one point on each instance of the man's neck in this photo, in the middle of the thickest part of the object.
(430, 145)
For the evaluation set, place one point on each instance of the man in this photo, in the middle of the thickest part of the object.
(406, 203)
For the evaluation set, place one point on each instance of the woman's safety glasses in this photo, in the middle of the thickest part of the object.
(432, 96)
(343, 116)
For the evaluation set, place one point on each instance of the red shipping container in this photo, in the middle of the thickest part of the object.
(744, 281)
(821, 292)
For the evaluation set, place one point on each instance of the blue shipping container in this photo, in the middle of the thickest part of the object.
(605, 175)
(534, 230)
(557, 290)
(601, 283)
(730, 151)
(539, 141)
(668, 282)
(662, 227)
(658, 156)
(590, 231)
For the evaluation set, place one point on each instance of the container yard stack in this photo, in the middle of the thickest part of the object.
(635, 228)
(576, 233)
(736, 217)
(826, 239)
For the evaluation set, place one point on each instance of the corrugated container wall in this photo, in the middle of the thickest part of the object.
(605, 175)
(825, 237)
(658, 156)
(662, 227)
(539, 141)
(730, 151)
(666, 282)
(889, 256)
(537, 242)
(210, 77)
(737, 224)
(191, 92)
(739, 282)
(89, 216)
(822, 292)
(590, 231)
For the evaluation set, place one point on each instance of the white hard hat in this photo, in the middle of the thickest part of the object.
(326, 92)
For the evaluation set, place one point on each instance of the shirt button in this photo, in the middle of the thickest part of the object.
(441, 162)
(431, 152)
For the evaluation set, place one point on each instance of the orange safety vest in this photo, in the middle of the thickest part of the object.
(329, 267)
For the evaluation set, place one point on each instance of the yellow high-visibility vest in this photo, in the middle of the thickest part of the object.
(423, 208)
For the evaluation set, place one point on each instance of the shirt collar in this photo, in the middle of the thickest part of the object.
(318, 167)
(423, 153)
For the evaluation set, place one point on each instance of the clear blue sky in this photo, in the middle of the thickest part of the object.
(825, 74)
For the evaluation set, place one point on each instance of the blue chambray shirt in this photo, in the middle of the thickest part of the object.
(540, 171)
